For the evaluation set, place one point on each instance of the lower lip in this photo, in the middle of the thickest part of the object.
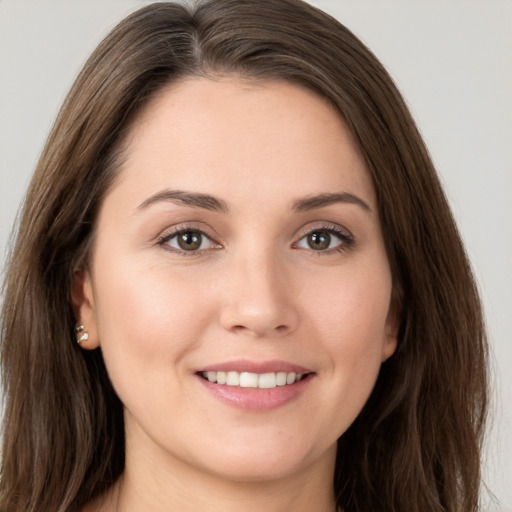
(256, 399)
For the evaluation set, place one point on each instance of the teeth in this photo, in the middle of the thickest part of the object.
(233, 379)
(290, 378)
(248, 380)
(281, 379)
(267, 380)
(253, 380)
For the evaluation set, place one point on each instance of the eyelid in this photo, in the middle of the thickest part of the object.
(174, 231)
(346, 237)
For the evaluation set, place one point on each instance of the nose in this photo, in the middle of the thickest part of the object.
(258, 298)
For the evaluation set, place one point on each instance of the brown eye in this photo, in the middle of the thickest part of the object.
(319, 240)
(326, 240)
(189, 240)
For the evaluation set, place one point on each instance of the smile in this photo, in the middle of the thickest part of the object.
(253, 380)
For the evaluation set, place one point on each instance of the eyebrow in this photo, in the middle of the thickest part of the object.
(212, 203)
(321, 200)
(188, 199)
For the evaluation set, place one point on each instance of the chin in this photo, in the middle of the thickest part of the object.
(256, 470)
(268, 463)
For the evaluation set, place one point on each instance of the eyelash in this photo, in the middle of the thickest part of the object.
(166, 237)
(347, 240)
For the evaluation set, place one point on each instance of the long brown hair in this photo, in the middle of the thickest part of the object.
(415, 447)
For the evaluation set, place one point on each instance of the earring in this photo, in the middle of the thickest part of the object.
(81, 337)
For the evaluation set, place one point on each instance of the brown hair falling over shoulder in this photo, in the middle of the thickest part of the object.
(415, 447)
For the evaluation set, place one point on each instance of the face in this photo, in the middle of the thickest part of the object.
(239, 286)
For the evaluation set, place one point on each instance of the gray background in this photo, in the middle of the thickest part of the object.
(452, 59)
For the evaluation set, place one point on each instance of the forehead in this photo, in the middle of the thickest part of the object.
(239, 139)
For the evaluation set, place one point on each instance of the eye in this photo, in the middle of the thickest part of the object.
(324, 240)
(188, 240)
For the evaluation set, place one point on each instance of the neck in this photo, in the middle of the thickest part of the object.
(149, 485)
(228, 496)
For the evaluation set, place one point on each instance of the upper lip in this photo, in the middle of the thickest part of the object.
(251, 366)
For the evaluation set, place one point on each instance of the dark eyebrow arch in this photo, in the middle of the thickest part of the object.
(321, 200)
(188, 199)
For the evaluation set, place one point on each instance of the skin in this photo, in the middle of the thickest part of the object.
(256, 289)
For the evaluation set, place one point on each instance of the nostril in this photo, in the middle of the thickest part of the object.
(280, 328)
(246, 318)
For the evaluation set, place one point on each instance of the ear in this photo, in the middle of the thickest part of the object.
(82, 298)
(391, 333)
(389, 347)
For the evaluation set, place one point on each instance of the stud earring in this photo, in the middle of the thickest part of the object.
(81, 334)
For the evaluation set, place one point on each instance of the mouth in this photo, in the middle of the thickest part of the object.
(268, 380)
(256, 386)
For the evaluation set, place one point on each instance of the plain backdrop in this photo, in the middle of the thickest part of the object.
(452, 59)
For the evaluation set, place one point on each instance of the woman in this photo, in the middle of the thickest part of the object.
(237, 220)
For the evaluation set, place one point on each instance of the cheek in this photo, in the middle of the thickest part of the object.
(355, 343)
(350, 323)
(145, 320)
(351, 309)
